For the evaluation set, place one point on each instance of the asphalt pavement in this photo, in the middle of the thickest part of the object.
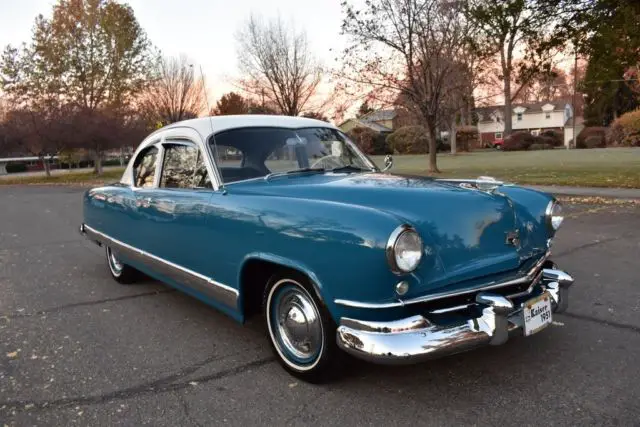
(76, 348)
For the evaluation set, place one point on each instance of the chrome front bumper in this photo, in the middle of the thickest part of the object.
(416, 339)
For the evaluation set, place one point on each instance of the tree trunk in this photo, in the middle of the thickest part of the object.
(507, 106)
(453, 137)
(433, 149)
(97, 166)
(47, 168)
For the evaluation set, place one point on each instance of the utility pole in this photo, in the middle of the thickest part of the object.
(573, 102)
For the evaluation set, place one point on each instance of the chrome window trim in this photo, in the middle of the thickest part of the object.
(137, 154)
(530, 276)
(223, 293)
(159, 161)
(176, 132)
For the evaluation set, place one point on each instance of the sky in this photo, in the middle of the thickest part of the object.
(204, 30)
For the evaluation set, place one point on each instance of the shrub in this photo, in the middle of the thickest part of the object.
(409, 140)
(466, 137)
(596, 134)
(518, 141)
(111, 162)
(16, 167)
(594, 141)
(625, 130)
(443, 146)
(541, 146)
(553, 137)
(364, 138)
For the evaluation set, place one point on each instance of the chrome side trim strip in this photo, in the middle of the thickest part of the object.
(216, 290)
(432, 297)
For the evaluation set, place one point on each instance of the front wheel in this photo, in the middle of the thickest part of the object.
(301, 331)
(121, 273)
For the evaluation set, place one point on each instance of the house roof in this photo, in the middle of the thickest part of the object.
(535, 107)
(379, 115)
(371, 125)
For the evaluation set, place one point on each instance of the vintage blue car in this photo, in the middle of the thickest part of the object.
(286, 217)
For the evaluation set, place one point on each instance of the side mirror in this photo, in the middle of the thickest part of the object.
(388, 162)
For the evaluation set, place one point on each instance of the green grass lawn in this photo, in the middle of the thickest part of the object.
(608, 167)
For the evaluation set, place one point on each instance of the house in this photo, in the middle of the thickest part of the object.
(535, 118)
(380, 121)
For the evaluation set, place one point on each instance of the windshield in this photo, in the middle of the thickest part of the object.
(248, 153)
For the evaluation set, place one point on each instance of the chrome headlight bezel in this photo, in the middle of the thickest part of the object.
(403, 232)
(553, 216)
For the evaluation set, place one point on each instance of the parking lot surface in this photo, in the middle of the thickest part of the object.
(76, 348)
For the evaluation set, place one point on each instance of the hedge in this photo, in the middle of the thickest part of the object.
(519, 141)
(466, 137)
(541, 146)
(16, 167)
(368, 140)
(596, 135)
(553, 137)
(625, 130)
(409, 140)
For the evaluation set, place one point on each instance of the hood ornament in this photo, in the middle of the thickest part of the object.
(487, 183)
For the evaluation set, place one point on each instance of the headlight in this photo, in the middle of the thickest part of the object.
(554, 216)
(404, 250)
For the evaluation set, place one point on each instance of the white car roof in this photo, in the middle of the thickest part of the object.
(204, 125)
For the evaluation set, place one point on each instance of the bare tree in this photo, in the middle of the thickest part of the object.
(410, 48)
(277, 65)
(176, 93)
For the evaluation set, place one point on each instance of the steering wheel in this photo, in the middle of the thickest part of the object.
(327, 162)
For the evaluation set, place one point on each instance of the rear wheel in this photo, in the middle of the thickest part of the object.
(121, 273)
(301, 331)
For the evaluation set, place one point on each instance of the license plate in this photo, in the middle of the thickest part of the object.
(537, 314)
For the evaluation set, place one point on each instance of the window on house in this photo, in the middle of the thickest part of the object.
(547, 115)
(519, 116)
(498, 135)
(535, 132)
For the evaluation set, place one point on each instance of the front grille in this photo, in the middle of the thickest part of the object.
(509, 291)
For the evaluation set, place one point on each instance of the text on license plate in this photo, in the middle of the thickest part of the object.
(537, 314)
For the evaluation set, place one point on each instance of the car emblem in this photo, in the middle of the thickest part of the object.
(513, 238)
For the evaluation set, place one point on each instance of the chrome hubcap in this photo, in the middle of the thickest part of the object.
(299, 324)
(114, 262)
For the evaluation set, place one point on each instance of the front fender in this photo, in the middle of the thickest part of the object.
(530, 206)
(340, 247)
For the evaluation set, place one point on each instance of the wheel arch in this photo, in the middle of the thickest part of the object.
(255, 272)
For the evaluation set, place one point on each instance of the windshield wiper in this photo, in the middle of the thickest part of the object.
(349, 168)
(294, 171)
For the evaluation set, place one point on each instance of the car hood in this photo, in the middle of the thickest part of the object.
(464, 230)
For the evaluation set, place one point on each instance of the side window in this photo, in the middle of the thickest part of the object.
(183, 167)
(227, 156)
(144, 168)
